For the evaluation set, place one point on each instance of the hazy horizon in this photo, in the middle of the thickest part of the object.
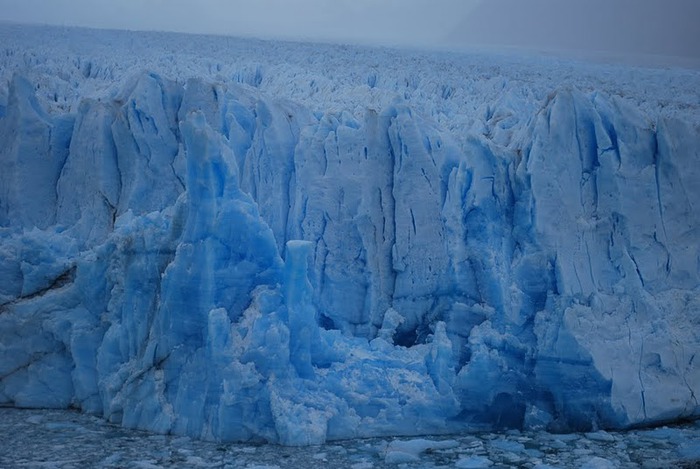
(389, 22)
(621, 27)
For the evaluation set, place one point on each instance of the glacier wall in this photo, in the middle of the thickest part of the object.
(205, 259)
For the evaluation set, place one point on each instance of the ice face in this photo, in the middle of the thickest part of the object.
(203, 258)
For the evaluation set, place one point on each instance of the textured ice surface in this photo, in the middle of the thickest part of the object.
(63, 439)
(342, 242)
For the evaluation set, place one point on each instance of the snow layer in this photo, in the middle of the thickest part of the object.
(302, 258)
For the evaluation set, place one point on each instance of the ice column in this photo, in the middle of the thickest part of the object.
(298, 293)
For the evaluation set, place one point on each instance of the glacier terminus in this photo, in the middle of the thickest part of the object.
(239, 240)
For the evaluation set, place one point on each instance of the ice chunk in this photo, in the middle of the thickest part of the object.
(474, 462)
(597, 463)
(405, 451)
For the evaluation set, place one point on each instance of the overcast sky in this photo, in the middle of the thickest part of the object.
(414, 22)
(668, 27)
(623, 27)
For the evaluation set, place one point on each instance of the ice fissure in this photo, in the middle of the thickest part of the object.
(205, 259)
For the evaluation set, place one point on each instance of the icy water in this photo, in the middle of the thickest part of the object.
(64, 439)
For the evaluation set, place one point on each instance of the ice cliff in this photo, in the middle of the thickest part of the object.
(206, 259)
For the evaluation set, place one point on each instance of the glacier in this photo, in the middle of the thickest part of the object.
(342, 252)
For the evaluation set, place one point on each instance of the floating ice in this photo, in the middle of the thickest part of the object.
(474, 462)
(68, 438)
(402, 451)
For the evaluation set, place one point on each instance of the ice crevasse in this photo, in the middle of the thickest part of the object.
(205, 260)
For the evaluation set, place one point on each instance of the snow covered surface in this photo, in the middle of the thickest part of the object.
(63, 439)
(239, 240)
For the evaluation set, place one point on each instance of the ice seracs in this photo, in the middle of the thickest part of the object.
(205, 258)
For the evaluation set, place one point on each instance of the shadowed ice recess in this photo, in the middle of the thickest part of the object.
(202, 255)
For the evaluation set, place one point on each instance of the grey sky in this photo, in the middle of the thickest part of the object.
(623, 27)
(668, 27)
(413, 22)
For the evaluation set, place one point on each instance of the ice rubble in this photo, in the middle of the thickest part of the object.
(59, 438)
(204, 259)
